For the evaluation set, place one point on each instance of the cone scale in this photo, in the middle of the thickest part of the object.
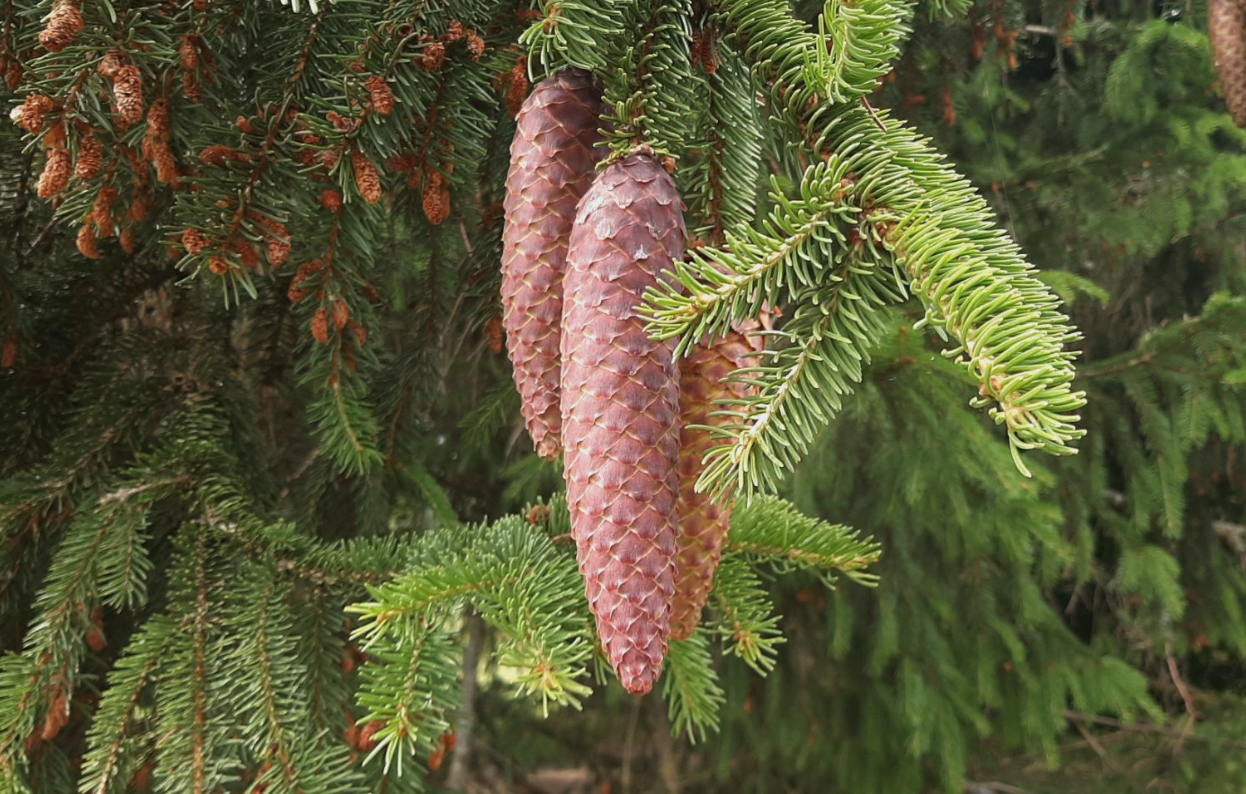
(620, 413)
(553, 157)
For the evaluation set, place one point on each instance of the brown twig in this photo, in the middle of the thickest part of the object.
(1186, 696)
(460, 762)
(1143, 727)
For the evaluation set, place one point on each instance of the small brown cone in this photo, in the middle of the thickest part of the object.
(552, 161)
(320, 326)
(382, 98)
(433, 56)
(55, 174)
(366, 177)
(101, 211)
(90, 158)
(620, 412)
(1226, 27)
(86, 242)
(128, 87)
(435, 198)
(57, 716)
(195, 241)
(703, 523)
(33, 110)
(188, 53)
(331, 200)
(13, 75)
(63, 26)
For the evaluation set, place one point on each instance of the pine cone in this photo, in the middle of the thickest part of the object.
(320, 326)
(382, 98)
(90, 158)
(86, 241)
(432, 58)
(112, 63)
(127, 84)
(8, 357)
(703, 523)
(620, 412)
(33, 109)
(55, 137)
(13, 74)
(126, 238)
(277, 247)
(64, 25)
(1226, 27)
(195, 241)
(188, 53)
(366, 177)
(166, 166)
(101, 211)
(552, 161)
(190, 88)
(331, 200)
(435, 198)
(55, 174)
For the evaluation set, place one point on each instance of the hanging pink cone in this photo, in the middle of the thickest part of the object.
(703, 523)
(620, 412)
(552, 164)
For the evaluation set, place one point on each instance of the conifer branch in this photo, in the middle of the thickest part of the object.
(743, 616)
(110, 729)
(972, 279)
(720, 185)
(691, 688)
(570, 34)
(771, 530)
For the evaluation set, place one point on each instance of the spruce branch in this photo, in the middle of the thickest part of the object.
(691, 688)
(840, 290)
(412, 689)
(192, 748)
(518, 581)
(648, 84)
(271, 696)
(105, 768)
(571, 33)
(973, 281)
(856, 42)
(802, 240)
(719, 182)
(742, 615)
(770, 530)
(839, 63)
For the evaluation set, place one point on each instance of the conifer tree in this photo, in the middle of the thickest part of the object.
(265, 464)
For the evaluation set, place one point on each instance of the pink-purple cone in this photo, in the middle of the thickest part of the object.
(620, 413)
(553, 157)
(703, 522)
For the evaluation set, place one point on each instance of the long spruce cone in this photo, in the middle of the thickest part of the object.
(703, 523)
(620, 413)
(553, 157)
(1226, 27)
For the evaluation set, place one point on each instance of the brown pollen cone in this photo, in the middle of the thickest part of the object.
(703, 523)
(1226, 27)
(55, 174)
(620, 413)
(552, 165)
